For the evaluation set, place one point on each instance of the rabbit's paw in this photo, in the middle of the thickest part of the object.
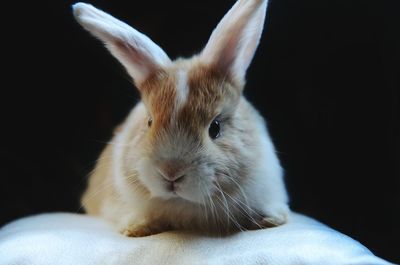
(141, 230)
(276, 215)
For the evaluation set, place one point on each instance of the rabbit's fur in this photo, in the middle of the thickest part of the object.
(163, 170)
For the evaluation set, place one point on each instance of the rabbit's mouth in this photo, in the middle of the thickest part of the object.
(173, 186)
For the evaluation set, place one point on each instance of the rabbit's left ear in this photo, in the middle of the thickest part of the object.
(138, 53)
(233, 42)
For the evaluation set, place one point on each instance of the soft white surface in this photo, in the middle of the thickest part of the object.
(64, 238)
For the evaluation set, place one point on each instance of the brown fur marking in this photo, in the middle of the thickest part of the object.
(207, 89)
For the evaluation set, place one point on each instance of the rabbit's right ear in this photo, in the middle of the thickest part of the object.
(234, 41)
(138, 54)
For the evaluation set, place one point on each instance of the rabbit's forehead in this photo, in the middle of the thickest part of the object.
(187, 97)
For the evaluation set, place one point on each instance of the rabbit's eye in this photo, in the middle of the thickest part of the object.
(150, 122)
(214, 130)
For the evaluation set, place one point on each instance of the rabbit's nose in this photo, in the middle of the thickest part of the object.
(171, 171)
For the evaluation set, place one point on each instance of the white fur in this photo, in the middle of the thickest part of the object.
(120, 141)
(182, 89)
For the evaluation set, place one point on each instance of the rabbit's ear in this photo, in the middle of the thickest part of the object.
(138, 53)
(233, 42)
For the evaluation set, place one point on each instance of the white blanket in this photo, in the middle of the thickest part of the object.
(74, 239)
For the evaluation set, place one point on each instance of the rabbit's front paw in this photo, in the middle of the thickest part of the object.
(275, 215)
(141, 230)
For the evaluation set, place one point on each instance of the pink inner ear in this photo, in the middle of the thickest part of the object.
(227, 54)
(138, 64)
(233, 43)
(138, 53)
(132, 54)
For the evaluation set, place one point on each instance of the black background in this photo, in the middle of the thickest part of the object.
(325, 77)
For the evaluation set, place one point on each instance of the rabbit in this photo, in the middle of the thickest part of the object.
(193, 154)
